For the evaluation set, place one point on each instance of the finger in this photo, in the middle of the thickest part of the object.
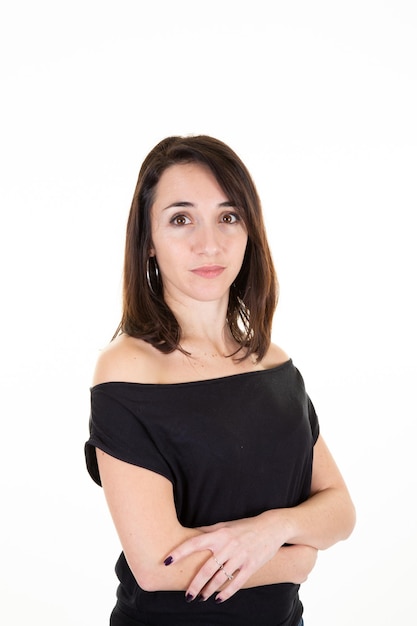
(195, 544)
(212, 577)
(228, 590)
(218, 583)
(206, 575)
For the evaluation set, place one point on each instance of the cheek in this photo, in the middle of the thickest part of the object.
(243, 245)
(168, 255)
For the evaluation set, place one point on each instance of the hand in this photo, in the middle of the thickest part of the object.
(239, 549)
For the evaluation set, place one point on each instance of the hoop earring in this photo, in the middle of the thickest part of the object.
(152, 273)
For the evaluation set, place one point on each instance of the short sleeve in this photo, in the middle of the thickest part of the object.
(119, 428)
(314, 422)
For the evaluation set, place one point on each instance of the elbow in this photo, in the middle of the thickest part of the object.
(148, 581)
(148, 577)
(343, 529)
(350, 521)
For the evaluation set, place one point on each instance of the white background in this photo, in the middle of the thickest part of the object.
(319, 99)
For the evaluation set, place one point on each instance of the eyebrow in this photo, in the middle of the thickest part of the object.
(184, 204)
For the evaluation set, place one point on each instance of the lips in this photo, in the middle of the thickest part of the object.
(208, 271)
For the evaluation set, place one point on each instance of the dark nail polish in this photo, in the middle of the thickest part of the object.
(168, 560)
(201, 598)
(189, 597)
(218, 600)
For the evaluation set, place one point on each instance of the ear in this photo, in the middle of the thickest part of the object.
(151, 252)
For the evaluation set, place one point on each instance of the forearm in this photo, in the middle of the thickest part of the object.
(152, 574)
(291, 564)
(325, 518)
(321, 521)
(251, 551)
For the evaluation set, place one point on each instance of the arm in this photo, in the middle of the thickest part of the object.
(251, 548)
(328, 516)
(141, 503)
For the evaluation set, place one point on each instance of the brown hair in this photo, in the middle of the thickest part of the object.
(253, 295)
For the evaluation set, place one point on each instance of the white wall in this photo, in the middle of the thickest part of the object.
(320, 100)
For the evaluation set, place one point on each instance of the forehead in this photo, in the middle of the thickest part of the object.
(182, 180)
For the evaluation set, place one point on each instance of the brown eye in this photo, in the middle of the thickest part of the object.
(230, 218)
(180, 220)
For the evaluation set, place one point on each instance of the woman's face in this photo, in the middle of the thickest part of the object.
(198, 236)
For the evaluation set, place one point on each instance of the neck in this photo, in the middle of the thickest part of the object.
(204, 329)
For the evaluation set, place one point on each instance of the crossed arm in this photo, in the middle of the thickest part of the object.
(164, 555)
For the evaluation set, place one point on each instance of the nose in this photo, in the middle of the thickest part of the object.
(207, 240)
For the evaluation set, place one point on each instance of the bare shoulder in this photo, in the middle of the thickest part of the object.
(125, 359)
(275, 356)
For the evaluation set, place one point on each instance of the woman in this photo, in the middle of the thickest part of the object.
(203, 437)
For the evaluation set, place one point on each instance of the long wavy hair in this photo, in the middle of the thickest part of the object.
(254, 294)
